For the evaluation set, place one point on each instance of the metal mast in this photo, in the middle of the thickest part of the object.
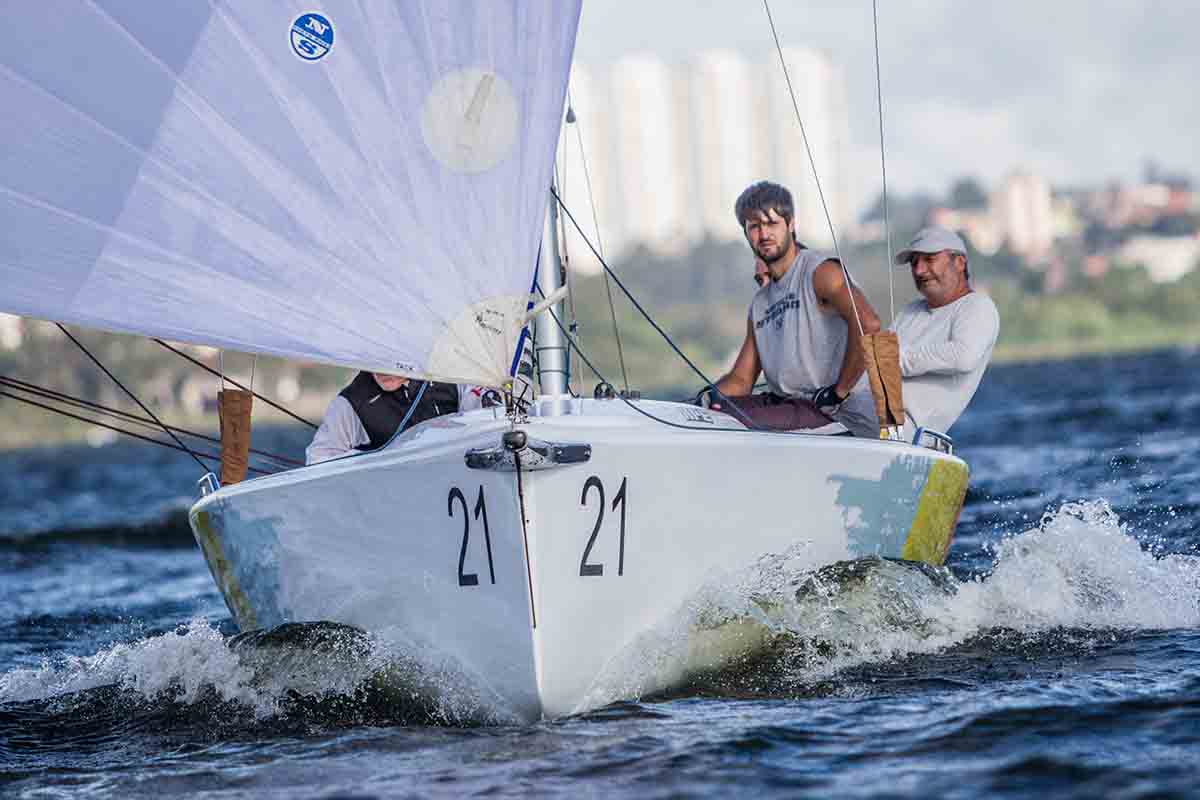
(554, 398)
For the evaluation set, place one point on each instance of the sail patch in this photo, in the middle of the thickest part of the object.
(477, 346)
(469, 120)
(312, 37)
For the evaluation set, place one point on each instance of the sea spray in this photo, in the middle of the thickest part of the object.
(774, 629)
(185, 661)
(321, 673)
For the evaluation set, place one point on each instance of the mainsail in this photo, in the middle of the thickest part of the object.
(362, 184)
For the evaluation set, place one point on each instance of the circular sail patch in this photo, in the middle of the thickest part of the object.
(312, 37)
(469, 120)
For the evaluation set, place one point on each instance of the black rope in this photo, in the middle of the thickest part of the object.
(225, 377)
(114, 379)
(79, 402)
(666, 337)
(151, 440)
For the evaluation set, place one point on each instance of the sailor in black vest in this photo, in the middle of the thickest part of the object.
(367, 413)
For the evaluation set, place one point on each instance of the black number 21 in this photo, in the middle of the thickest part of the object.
(586, 569)
(470, 578)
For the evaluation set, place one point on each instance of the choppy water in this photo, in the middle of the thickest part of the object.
(1059, 654)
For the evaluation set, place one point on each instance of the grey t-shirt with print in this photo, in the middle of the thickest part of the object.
(801, 347)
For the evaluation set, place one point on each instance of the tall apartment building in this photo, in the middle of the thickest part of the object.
(584, 162)
(652, 148)
(1022, 212)
(821, 97)
(670, 147)
(731, 143)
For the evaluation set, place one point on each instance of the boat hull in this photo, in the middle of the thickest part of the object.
(535, 583)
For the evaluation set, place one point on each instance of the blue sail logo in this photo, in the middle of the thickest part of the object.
(312, 37)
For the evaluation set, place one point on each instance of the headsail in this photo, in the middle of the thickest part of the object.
(362, 184)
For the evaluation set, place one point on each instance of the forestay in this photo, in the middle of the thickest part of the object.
(362, 184)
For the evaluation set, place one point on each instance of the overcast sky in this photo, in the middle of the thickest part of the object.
(1082, 92)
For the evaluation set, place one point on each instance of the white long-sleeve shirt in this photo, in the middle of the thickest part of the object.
(943, 353)
(342, 431)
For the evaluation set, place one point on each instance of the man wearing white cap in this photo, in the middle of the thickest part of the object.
(946, 337)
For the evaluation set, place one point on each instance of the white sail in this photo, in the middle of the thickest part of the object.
(361, 184)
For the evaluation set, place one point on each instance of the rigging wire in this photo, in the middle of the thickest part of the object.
(752, 427)
(221, 375)
(194, 454)
(568, 277)
(125, 416)
(645, 314)
(813, 164)
(587, 179)
(887, 225)
(114, 379)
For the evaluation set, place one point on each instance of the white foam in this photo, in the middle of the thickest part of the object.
(186, 661)
(1077, 569)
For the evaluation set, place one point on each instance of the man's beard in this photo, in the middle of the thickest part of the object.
(782, 251)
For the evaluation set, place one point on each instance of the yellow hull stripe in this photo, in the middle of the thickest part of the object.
(937, 512)
(235, 598)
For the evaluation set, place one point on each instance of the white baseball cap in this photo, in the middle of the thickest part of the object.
(933, 239)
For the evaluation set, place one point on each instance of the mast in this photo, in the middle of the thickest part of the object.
(551, 344)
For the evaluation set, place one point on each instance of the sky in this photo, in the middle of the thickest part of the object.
(1080, 92)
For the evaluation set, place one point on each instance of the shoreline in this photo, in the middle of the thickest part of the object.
(38, 428)
(1107, 346)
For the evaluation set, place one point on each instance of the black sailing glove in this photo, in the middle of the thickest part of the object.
(827, 400)
(708, 398)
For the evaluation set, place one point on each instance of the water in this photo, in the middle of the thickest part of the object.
(1060, 652)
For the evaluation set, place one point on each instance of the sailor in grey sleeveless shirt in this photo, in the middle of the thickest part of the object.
(801, 347)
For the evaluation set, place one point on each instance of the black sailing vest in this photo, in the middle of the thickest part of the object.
(382, 412)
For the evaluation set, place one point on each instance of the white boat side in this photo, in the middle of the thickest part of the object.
(533, 581)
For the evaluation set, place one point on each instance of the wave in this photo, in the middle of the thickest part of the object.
(1076, 582)
(293, 678)
(1073, 585)
(168, 531)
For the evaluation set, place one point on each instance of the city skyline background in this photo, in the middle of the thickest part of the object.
(1077, 92)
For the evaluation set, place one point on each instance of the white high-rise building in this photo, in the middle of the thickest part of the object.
(1022, 212)
(652, 149)
(730, 135)
(585, 159)
(821, 97)
(670, 148)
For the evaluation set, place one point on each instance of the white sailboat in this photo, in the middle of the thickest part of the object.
(366, 186)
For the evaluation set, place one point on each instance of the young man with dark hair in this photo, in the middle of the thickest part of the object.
(805, 322)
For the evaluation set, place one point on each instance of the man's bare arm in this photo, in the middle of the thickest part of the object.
(740, 380)
(829, 283)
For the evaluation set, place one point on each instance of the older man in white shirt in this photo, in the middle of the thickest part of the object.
(946, 337)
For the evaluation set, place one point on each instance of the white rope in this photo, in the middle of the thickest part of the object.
(887, 226)
(813, 164)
